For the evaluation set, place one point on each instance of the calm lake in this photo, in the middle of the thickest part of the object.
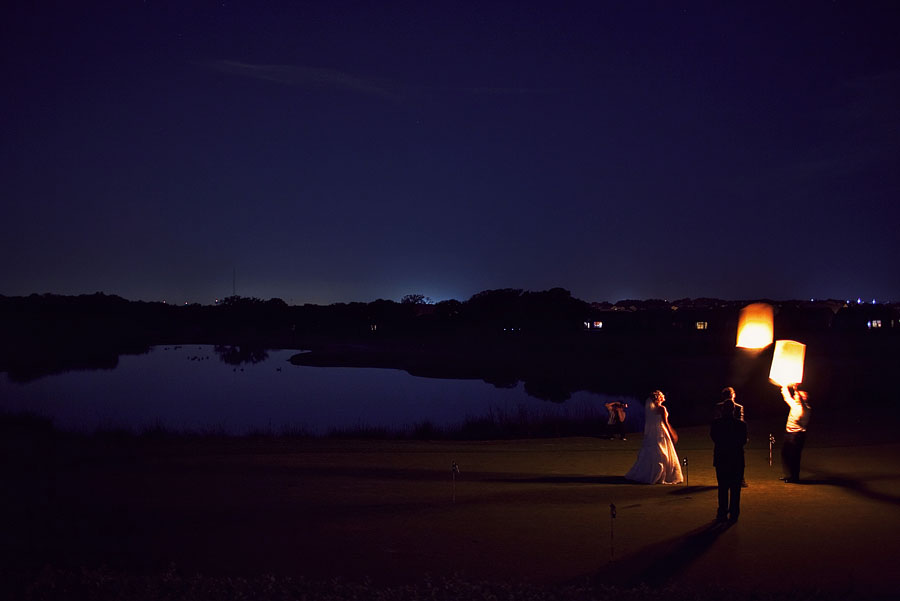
(206, 388)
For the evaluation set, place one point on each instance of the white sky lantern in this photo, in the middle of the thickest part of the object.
(755, 326)
(787, 362)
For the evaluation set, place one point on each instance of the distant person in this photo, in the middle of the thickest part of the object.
(657, 461)
(726, 395)
(794, 431)
(616, 422)
(729, 436)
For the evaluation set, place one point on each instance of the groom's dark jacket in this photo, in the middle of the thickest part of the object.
(729, 436)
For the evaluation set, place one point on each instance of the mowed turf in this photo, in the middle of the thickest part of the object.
(535, 511)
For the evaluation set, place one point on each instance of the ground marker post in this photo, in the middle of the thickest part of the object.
(454, 469)
(612, 517)
(684, 462)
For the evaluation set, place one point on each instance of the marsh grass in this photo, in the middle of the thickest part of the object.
(495, 424)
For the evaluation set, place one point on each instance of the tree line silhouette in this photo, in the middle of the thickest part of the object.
(553, 342)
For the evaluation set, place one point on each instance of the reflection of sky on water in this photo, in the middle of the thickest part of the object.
(189, 388)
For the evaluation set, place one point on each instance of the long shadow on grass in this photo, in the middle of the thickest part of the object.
(680, 490)
(688, 490)
(567, 480)
(655, 565)
(857, 485)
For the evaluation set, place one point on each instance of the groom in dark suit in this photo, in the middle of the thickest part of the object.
(728, 394)
(729, 436)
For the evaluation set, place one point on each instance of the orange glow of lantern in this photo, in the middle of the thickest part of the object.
(787, 362)
(755, 326)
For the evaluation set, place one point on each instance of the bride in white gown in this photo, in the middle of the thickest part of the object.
(657, 461)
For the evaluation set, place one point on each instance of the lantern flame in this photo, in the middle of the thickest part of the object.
(755, 326)
(787, 362)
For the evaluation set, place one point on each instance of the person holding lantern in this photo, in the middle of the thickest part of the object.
(795, 431)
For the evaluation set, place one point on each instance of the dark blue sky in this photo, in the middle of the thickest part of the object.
(348, 151)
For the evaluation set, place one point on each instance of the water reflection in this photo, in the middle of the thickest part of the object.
(248, 390)
(237, 355)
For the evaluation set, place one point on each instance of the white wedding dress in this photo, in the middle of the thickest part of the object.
(657, 461)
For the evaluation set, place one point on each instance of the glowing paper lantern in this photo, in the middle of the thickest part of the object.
(787, 362)
(755, 329)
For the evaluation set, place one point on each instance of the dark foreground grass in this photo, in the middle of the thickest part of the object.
(103, 584)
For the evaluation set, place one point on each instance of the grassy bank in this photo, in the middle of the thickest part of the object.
(495, 424)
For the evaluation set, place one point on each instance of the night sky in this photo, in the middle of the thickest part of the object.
(348, 151)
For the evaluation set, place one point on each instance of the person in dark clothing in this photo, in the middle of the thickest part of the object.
(729, 436)
(728, 394)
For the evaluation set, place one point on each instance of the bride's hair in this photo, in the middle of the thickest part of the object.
(654, 397)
